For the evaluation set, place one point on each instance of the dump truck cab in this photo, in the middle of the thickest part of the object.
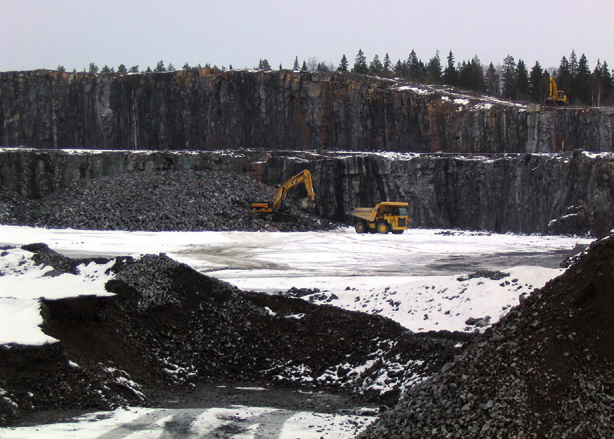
(388, 216)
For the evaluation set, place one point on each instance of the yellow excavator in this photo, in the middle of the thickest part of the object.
(556, 96)
(279, 208)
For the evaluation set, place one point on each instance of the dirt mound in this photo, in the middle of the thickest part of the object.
(164, 200)
(545, 371)
(169, 327)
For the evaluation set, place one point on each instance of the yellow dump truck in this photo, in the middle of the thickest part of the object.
(388, 216)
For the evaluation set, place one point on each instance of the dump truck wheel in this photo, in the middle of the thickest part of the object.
(382, 227)
(360, 227)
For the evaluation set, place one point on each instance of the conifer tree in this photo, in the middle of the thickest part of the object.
(160, 67)
(509, 77)
(450, 74)
(304, 67)
(376, 67)
(93, 69)
(121, 69)
(296, 66)
(522, 81)
(360, 63)
(343, 64)
(583, 82)
(416, 68)
(537, 84)
(387, 65)
(492, 81)
(433, 69)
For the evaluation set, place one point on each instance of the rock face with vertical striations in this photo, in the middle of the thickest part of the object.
(213, 110)
(569, 193)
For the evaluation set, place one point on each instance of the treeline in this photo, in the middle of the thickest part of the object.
(510, 80)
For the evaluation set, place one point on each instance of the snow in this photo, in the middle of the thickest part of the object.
(420, 279)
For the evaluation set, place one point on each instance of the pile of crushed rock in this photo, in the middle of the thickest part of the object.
(157, 201)
(545, 371)
(169, 328)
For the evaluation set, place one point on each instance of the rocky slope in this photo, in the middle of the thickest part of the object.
(169, 328)
(571, 193)
(163, 200)
(544, 371)
(212, 110)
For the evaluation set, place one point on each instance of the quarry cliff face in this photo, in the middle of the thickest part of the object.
(215, 110)
(567, 193)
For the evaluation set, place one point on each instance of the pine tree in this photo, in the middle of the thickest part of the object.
(433, 69)
(509, 77)
(387, 65)
(492, 81)
(417, 71)
(296, 66)
(343, 64)
(537, 84)
(522, 81)
(263, 64)
(563, 76)
(160, 67)
(122, 70)
(60, 68)
(360, 63)
(583, 82)
(399, 69)
(450, 74)
(93, 69)
(134, 69)
(304, 67)
(376, 67)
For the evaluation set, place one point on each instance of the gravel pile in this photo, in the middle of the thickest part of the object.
(156, 201)
(545, 371)
(170, 328)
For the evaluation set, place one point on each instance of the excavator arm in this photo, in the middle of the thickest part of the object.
(275, 209)
(302, 177)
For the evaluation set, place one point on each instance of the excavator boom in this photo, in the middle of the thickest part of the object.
(278, 206)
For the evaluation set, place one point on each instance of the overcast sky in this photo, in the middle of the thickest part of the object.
(238, 33)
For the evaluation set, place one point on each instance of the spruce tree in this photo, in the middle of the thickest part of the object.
(433, 69)
(492, 81)
(376, 67)
(296, 66)
(509, 77)
(537, 84)
(450, 74)
(583, 82)
(343, 64)
(360, 63)
(522, 81)
(387, 65)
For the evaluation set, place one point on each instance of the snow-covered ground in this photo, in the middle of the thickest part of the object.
(420, 279)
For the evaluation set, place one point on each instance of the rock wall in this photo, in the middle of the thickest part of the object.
(569, 193)
(214, 110)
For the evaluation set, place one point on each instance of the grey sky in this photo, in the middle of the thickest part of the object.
(73, 33)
